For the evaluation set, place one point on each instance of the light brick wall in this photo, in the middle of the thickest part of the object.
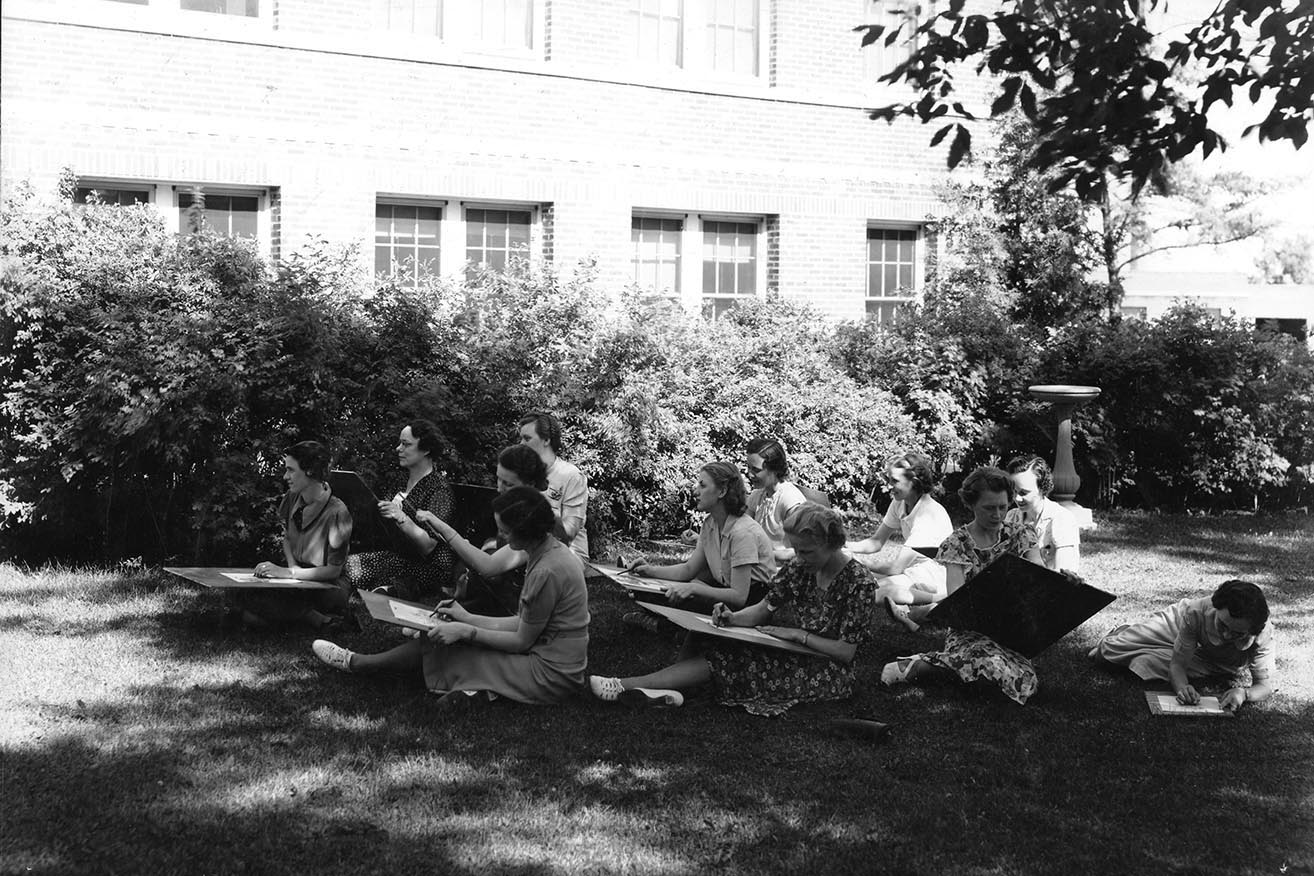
(332, 129)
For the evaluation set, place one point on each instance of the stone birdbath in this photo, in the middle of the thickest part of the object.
(1065, 399)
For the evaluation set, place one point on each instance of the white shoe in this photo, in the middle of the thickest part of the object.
(334, 655)
(649, 696)
(604, 688)
(896, 671)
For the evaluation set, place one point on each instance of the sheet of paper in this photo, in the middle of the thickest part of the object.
(411, 614)
(747, 631)
(1168, 705)
(248, 578)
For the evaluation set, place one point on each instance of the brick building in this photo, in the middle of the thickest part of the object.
(710, 148)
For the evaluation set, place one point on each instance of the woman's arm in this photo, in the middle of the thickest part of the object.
(516, 640)
(954, 577)
(691, 568)
(735, 596)
(501, 561)
(750, 616)
(423, 541)
(835, 649)
(1239, 696)
(872, 545)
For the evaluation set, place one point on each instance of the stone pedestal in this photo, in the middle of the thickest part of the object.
(1066, 399)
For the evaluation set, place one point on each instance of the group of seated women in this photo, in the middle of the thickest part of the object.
(516, 624)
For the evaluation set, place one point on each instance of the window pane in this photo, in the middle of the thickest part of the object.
(890, 280)
(117, 197)
(382, 260)
(905, 276)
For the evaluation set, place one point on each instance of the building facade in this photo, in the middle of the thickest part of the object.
(709, 149)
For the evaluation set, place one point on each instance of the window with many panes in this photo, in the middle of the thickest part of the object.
(229, 215)
(891, 271)
(246, 8)
(480, 24)
(903, 16)
(406, 241)
(723, 37)
(120, 196)
(729, 264)
(657, 252)
(731, 38)
(658, 28)
(493, 237)
(420, 17)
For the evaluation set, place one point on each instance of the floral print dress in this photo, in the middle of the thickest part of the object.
(972, 656)
(767, 681)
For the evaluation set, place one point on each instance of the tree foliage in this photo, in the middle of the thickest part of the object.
(1107, 100)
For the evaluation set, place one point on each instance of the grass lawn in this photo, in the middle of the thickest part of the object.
(136, 736)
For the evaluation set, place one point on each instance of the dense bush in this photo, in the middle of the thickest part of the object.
(151, 381)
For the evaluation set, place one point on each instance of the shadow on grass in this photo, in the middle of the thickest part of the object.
(300, 769)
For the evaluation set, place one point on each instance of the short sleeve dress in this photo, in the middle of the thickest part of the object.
(316, 534)
(553, 668)
(770, 511)
(972, 656)
(411, 575)
(1190, 630)
(768, 681)
(741, 543)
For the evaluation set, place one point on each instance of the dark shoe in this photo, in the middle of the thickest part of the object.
(339, 626)
(460, 701)
(860, 728)
(641, 620)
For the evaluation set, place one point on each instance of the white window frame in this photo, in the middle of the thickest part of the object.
(695, 58)
(456, 25)
(701, 296)
(443, 219)
(918, 257)
(681, 256)
(167, 198)
(118, 185)
(170, 14)
(461, 208)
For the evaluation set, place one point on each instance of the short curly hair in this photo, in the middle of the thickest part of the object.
(525, 464)
(986, 479)
(817, 522)
(525, 513)
(1038, 467)
(1243, 600)
(313, 458)
(726, 476)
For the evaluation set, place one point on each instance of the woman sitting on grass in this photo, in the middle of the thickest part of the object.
(773, 496)
(537, 657)
(1221, 635)
(822, 599)
(423, 568)
(497, 577)
(733, 560)
(966, 655)
(316, 534)
(911, 578)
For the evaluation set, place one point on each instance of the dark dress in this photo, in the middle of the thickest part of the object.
(972, 656)
(767, 681)
(411, 576)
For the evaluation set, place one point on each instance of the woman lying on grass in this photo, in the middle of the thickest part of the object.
(822, 599)
(966, 655)
(1221, 635)
(538, 657)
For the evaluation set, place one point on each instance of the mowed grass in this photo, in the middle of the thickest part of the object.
(137, 736)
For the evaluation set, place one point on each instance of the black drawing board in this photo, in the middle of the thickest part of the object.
(472, 514)
(702, 624)
(1020, 605)
(370, 530)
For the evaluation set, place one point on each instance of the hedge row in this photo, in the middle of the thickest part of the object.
(151, 380)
